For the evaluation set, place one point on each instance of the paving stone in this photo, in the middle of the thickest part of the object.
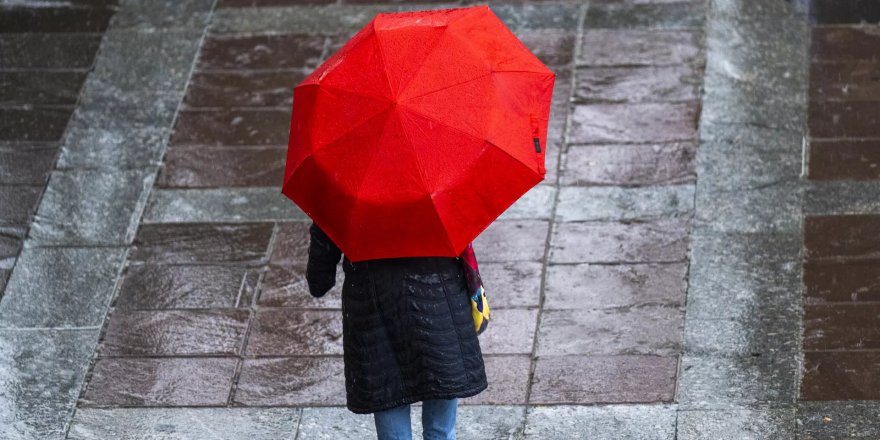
(60, 287)
(11, 238)
(55, 19)
(828, 420)
(91, 207)
(854, 119)
(552, 47)
(757, 102)
(841, 282)
(841, 197)
(841, 327)
(163, 65)
(632, 422)
(615, 203)
(210, 205)
(636, 164)
(724, 167)
(720, 136)
(26, 166)
(659, 16)
(737, 424)
(48, 51)
(844, 43)
(644, 330)
(512, 240)
(264, 3)
(840, 375)
(845, 81)
(202, 243)
(207, 167)
(757, 333)
(767, 12)
(18, 203)
(243, 88)
(508, 377)
(844, 160)
(637, 84)
(4, 275)
(514, 284)
(842, 236)
(262, 52)
(769, 208)
(184, 423)
(656, 241)
(512, 332)
(632, 47)
(597, 286)
(40, 88)
(633, 123)
(232, 127)
(148, 382)
(855, 12)
(293, 332)
(162, 14)
(719, 382)
(537, 203)
(174, 332)
(159, 286)
(295, 381)
(611, 379)
(42, 374)
(40, 124)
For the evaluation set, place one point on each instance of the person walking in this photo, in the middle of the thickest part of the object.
(408, 336)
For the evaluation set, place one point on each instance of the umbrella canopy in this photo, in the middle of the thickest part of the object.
(418, 133)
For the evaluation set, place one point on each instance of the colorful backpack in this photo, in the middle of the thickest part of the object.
(479, 303)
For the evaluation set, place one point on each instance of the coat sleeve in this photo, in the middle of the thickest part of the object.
(323, 258)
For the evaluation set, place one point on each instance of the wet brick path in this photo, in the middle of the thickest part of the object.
(700, 263)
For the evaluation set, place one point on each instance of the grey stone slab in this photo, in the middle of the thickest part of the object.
(184, 423)
(747, 9)
(746, 166)
(535, 204)
(755, 103)
(60, 287)
(724, 382)
(42, 373)
(617, 203)
(737, 424)
(756, 334)
(720, 137)
(838, 420)
(588, 286)
(774, 207)
(220, 205)
(163, 63)
(161, 14)
(842, 197)
(539, 16)
(647, 15)
(631, 422)
(91, 207)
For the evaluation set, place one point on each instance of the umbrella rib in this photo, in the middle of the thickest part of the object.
(422, 64)
(382, 56)
(350, 129)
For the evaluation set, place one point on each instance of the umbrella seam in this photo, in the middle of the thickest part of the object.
(421, 63)
(382, 56)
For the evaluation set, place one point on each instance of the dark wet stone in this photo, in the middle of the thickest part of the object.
(844, 119)
(610, 242)
(159, 382)
(26, 166)
(60, 287)
(232, 127)
(40, 88)
(512, 284)
(174, 332)
(508, 378)
(840, 375)
(636, 84)
(547, 16)
(552, 47)
(48, 51)
(18, 203)
(605, 47)
(243, 89)
(64, 20)
(294, 332)
(844, 160)
(845, 12)
(628, 330)
(778, 424)
(184, 423)
(611, 379)
(713, 381)
(297, 381)
(845, 43)
(42, 375)
(200, 167)
(163, 14)
(33, 124)
(842, 236)
(512, 331)
(261, 52)
(632, 422)
(633, 123)
(158, 286)
(202, 243)
(841, 197)
(512, 240)
(589, 286)
(4, 275)
(220, 205)
(836, 419)
(829, 282)
(264, 3)
(637, 164)
(616, 203)
(841, 327)
(646, 15)
(845, 81)
(10, 244)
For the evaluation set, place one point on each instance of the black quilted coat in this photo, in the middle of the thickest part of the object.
(407, 329)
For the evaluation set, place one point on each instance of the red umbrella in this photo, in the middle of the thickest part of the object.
(418, 133)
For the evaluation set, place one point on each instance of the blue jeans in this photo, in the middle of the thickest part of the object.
(438, 421)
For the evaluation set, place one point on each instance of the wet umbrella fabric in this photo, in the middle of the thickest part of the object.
(418, 133)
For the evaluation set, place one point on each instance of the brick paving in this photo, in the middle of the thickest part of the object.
(691, 267)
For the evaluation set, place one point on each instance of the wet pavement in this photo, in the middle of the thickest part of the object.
(701, 261)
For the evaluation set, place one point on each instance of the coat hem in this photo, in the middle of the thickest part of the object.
(418, 398)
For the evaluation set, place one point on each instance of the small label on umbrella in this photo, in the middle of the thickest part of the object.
(537, 145)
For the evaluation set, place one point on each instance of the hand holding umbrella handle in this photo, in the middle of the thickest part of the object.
(324, 255)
